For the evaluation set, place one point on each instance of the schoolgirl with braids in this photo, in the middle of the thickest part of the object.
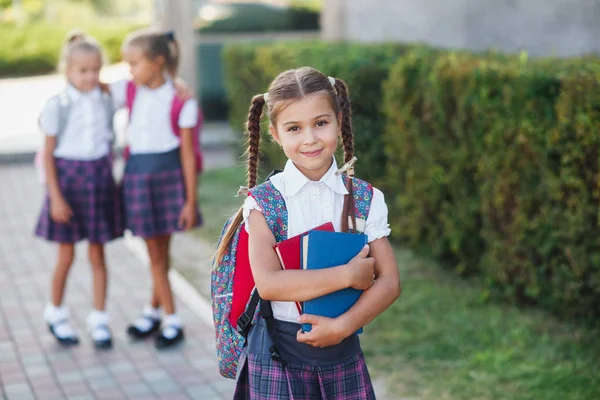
(309, 115)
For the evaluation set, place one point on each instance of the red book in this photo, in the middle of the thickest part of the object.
(288, 251)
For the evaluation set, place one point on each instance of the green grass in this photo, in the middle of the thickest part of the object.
(34, 48)
(441, 340)
(217, 199)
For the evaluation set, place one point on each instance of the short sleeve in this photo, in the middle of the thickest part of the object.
(377, 221)
(249, 205)
(118, 92)
(189, 114)
(49, 117)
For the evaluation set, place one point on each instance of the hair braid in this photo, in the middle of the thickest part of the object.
(253, 127)
(343, 98)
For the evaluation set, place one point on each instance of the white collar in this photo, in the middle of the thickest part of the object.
(75, 94)
(169, 84)
(294, 179)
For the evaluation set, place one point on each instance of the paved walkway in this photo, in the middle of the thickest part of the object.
(33, 366)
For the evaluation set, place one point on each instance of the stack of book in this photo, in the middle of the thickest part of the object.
(320, 248)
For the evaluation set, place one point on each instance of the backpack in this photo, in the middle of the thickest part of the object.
(64, 110)
(176, 107)
(234, 297)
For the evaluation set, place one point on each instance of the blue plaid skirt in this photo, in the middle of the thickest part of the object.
(154, 194)
(90, 190)
(333, 373)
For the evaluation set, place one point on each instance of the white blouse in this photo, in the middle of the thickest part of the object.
(86, 135)
(310, 204)
(150, 129)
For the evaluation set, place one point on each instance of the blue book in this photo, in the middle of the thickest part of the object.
(322, 249)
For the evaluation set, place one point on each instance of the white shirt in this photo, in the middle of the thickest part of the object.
(310, 204)
(150, 129)
(86, 134)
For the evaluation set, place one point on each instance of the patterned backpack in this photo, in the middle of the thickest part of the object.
(234, 300)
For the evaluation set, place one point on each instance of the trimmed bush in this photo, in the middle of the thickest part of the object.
(495, 162)
(35, 48)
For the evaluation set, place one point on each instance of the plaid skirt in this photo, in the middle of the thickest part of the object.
(90, 190)
(343, 377)
(154, 194)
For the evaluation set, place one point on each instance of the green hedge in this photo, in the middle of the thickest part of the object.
(251, 68)
(496, 165)
(490, 163)
(35, 47)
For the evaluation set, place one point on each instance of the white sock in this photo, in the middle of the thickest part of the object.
(154, 313)
(96, 320)
(143, 324)
(58, 317)
(171, 323)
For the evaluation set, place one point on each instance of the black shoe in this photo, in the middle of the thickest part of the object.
(135, 333)
(65, 341)
(162, 342)
(106, 343)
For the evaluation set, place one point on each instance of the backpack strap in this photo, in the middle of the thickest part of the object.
(130, 96)
(363, 195)
(64, 109)
(107, 102)
(270, 200)
(273, 208)
(176, 107)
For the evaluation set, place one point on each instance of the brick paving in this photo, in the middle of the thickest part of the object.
(33, 366)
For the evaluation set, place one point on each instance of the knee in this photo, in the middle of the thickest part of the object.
(96, 256)
(66, 254)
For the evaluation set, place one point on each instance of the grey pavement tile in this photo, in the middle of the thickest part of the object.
(19, 391)
(120, 367)
(95, 372)
(69, 377)
(164, 386)
(154, 375)
(136, 389)
(202, 392)
(100, 383)
(49, 394)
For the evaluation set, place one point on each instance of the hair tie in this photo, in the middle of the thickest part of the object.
(242, 191)
(170, 35)
(331, 81)
(348, 168)
(266, 96)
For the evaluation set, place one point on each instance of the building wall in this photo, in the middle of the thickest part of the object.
(542, 27)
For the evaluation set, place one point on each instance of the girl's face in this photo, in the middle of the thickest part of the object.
(83, 70)
(308, 131)
(143, 70)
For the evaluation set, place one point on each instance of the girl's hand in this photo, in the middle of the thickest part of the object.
(325, 331)
(360, 270)
(187, 219)
(60, 211)
(182, 90)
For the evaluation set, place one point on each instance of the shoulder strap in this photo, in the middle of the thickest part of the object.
(176, 107)
(110, 113)
(64, 109)
(130, 96)
(363, 194)
(271, 201)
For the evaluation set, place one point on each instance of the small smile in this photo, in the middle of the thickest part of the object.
(313, 153)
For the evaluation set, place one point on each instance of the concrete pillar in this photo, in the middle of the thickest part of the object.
(333, 19)
(178, 16)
